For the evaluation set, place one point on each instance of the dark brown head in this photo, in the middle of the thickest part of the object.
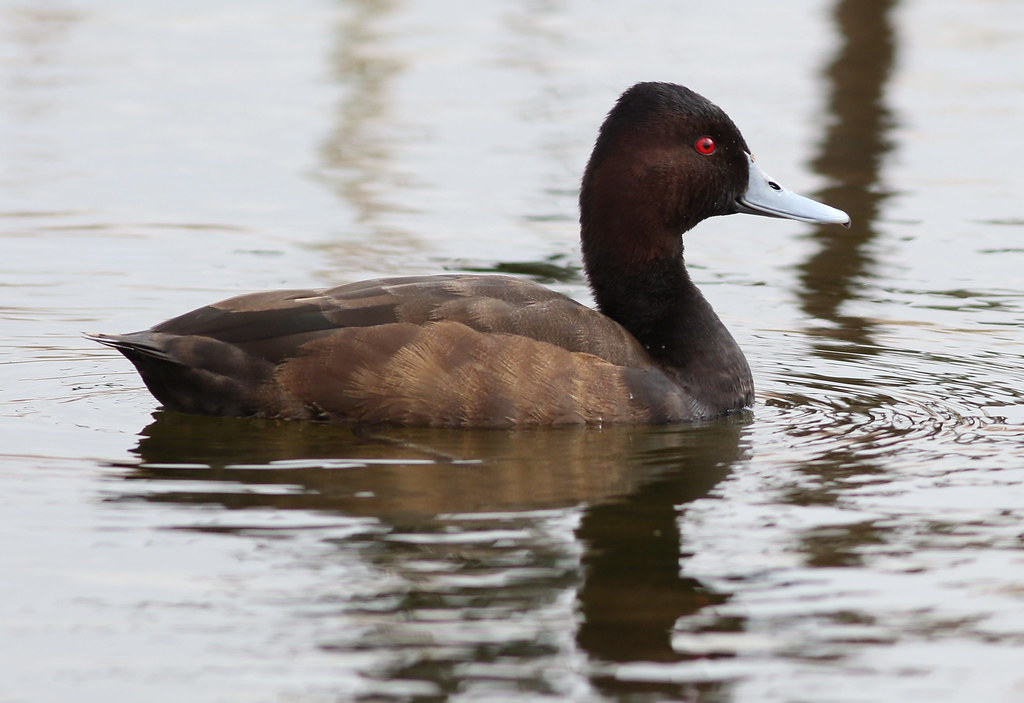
(665, 159)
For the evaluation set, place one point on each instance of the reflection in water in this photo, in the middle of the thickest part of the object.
(878, 397)
(851, 155)
(369, 157)
(358, 155)
(475, 539)
(544, 272)
(633, 595)
(35, 39)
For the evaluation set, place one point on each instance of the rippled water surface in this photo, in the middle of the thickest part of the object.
(857, 537)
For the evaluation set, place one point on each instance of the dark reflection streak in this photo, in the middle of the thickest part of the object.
(633, 596)
(851, 155)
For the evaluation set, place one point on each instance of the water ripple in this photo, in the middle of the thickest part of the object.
(884, 401)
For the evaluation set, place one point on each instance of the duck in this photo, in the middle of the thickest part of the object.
(479, 350)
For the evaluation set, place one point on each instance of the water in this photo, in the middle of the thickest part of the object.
(856, 537)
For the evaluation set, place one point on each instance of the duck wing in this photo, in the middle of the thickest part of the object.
(452, 350)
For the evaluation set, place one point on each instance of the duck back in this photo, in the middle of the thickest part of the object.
(432, 350)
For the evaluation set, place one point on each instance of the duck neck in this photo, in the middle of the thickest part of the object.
(653, 297)
(655, 300)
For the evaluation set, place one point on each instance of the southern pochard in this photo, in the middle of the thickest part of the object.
(487, 350)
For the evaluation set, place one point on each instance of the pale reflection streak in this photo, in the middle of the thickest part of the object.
(358, 155)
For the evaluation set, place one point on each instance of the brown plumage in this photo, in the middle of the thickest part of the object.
(469, 350)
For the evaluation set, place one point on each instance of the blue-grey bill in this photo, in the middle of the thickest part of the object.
(766, 197)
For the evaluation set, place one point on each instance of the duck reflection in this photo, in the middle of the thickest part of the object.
(427, 489)
(633, 595)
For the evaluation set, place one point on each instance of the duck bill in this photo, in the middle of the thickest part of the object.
(766, 197)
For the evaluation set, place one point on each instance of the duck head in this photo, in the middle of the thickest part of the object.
(665, 159)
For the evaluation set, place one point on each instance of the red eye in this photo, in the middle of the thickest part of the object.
(705, 145)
